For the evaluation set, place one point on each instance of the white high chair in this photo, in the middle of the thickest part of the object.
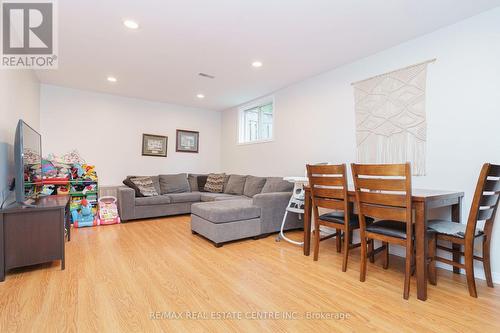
(295, 205)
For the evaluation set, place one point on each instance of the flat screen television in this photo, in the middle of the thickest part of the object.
(28, 163)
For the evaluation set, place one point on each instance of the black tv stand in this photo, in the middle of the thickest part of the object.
(34, 235)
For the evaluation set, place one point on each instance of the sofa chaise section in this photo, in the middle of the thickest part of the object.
(226, 220)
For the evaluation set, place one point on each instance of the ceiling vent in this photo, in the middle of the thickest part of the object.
(208, 76)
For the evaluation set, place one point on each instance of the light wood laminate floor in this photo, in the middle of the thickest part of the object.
(117, 276)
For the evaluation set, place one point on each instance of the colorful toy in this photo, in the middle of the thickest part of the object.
(77, 171)
(47, 189)
(48, 169)
(108, 211)
(62, 190)
(90, 173)
(84, 218)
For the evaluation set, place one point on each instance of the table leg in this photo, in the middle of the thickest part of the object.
(307, 223)
(421, 249)
(456, 216)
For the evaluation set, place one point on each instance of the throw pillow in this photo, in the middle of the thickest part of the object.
(145, 186)
(215, 182)
(174, 183)
(253, 186)
(235, 184)
(202, 180)
(130, 184)
(193, 182)
(277, 184)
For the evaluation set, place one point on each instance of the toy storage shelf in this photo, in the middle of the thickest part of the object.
(60, 182)
(81, 194)
(77, 194)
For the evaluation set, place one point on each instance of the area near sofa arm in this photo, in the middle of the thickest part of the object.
(273, 206)
(126, 202)
(268, 198)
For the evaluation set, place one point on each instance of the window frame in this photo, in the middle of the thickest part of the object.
(241, 120)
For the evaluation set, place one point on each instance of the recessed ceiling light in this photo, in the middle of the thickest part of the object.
(200, 96)
(112, 79)
(131, 24)
(257, 64)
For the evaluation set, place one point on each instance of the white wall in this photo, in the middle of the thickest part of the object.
(19, 99)
(314, 119)
(107, 131)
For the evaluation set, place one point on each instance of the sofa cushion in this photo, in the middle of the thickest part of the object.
(145, 186)
(176, 183)
(226, 179)
(193, 182)
(156, 183)
(202, 180)
(235, 184)
(184, 197)
(208, 196)
(215, 182)
(231, 197)
(253, 185)
(149, 201)
(226, 211)
(277, 184)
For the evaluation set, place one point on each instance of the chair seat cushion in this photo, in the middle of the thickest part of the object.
(450, 228)
(338, 217)
(388, 228)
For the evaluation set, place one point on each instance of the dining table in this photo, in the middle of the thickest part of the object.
(423, 201)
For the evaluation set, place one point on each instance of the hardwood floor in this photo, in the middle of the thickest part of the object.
(117, 276)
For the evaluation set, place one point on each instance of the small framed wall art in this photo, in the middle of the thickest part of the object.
(154, 145)
(187, 141)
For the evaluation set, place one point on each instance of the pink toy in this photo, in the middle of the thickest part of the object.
(108, 211)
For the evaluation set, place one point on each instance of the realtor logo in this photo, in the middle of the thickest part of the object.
(29, 34)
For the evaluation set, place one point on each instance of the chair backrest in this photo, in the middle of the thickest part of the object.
(328, 185)
(485, 201)
(383, 191)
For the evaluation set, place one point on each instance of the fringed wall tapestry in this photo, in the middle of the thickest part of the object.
(390, 117)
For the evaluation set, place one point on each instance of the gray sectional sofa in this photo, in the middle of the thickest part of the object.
(248, 207)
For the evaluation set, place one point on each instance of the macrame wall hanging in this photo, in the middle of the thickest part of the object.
(390, 117)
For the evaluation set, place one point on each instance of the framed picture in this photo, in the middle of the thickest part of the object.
(154, 145)
(187, 141)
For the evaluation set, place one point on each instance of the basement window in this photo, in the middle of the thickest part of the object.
(256, 121)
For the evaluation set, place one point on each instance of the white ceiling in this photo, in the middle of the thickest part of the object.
(176, 40)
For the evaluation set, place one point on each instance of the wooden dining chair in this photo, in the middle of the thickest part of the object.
(383, 192)
(483, 208)
(329, 190)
